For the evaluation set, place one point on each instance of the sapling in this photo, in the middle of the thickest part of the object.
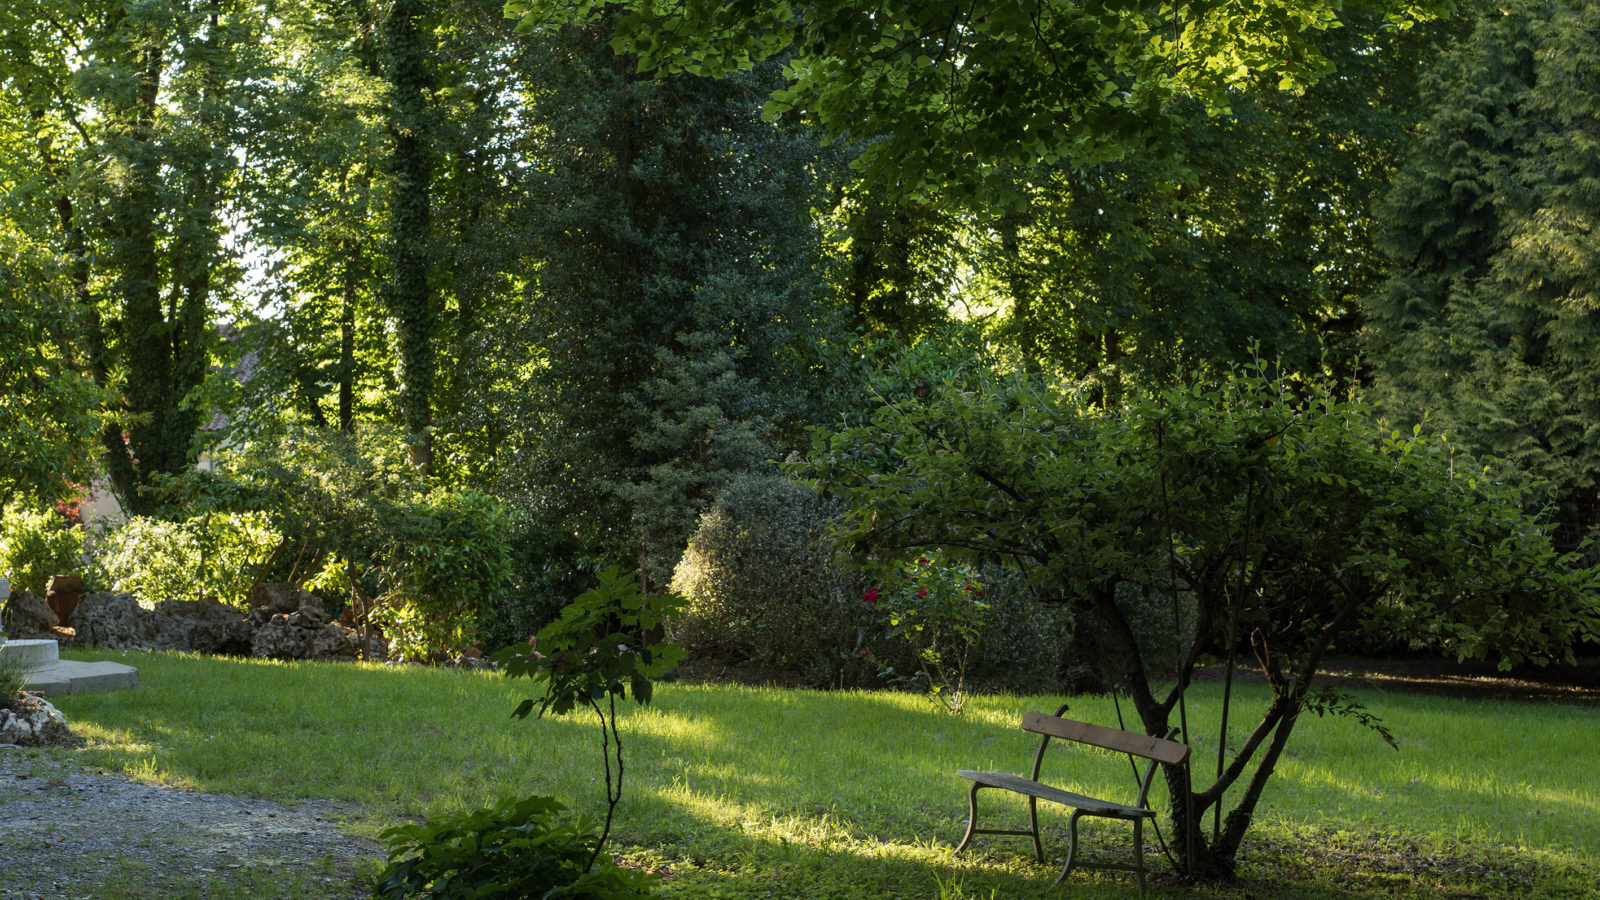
(604, 644)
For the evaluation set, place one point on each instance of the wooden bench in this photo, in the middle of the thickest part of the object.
(1156, 750)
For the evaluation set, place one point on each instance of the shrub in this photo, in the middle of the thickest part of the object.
(938, 610)
(444, 555)
(548, 568)
(36, 544)
(1020, 650)
(357, 521)
(213, 555)
(514, 849)
(763, 591)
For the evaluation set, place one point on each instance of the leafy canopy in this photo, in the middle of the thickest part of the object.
(949, 93)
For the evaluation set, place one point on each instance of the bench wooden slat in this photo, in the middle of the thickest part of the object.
(1030, 788)
(1169, 752)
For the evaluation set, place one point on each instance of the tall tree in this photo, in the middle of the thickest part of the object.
(132, 112)
(409, 294)
(676, 307)
(49, 403)
(313, 197)
(340, 174)
(1487, 320)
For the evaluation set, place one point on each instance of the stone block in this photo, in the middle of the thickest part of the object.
(31, 654)
(72, 677)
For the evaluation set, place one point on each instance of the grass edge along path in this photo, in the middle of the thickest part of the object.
(740, 791)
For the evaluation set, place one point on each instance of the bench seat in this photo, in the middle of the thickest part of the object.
(1090, 805)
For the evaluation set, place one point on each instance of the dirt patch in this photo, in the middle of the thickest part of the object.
(66, 831)
(1578, 683)
(1315, 863)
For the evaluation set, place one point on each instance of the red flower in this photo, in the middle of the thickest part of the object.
(966, 587)
(922, 593)
(871, 596)
(922, 560)
(864, 653)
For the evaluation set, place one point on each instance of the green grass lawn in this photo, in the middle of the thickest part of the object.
(761, 792)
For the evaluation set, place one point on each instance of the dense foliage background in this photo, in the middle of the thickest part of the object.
(457, 309)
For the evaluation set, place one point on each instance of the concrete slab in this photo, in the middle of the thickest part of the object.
(70, 677)
(31, 654)
(48, 685)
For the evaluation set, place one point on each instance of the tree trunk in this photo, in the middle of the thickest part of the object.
(134, 452)
(1023, 317)
(410, 299)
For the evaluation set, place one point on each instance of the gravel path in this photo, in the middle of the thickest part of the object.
(66, 832)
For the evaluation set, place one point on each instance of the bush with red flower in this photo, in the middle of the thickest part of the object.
(937, 608)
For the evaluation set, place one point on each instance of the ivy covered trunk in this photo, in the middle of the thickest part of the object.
(410, 299)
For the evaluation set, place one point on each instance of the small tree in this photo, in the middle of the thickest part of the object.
(603, 645)
(939, 611)
(1278, 511)
(51, 411)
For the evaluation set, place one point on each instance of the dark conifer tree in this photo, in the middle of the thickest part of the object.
(676, 305)
(1487, 322)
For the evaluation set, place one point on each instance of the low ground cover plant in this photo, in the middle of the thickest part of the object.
(517, 848)
(12, 680)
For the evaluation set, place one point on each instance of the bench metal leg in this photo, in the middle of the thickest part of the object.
(1138, 851)
(972, 823)
(1033, 824)
(972, 817)
(1072, 853)
(1072, 848)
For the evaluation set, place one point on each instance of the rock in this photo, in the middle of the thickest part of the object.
(298, 629)
(118, 622)
(32, 721)
(115, 622)
(26, 616)
(62, 593)
(200, 626)
(270, 598)
(296, 635)
(330, 641)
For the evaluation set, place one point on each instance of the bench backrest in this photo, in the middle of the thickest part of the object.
(1170, 752)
